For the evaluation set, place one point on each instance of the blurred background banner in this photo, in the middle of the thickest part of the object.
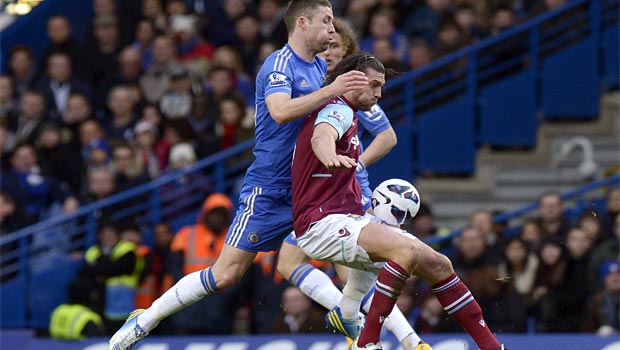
(25, 340)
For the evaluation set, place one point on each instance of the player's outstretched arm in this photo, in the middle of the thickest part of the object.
(283, 108)
(324, 146)
(379, 147)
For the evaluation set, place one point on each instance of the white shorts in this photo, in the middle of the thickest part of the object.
(334, 238)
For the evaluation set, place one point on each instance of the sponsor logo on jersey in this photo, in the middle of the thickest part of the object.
(277, 79)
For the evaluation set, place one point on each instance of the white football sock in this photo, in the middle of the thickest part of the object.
(320, 288)
(184, 293)
(358, 284)
(398, 325)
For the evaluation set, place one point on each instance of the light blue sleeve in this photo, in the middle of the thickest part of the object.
(340, 116)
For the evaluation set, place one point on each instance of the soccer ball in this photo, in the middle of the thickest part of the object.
(395, 201)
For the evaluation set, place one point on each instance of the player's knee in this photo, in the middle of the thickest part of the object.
(284, 267)
(436, 265)
(228, 277)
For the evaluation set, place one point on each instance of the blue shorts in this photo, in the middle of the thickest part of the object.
(263, 220)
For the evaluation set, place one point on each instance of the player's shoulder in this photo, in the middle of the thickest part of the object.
(336, 108)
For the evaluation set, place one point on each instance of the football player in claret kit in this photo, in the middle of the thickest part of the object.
(288, 87)
(296, 267)
(331, 225)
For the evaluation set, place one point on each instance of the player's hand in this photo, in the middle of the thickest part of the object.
(340, 162)
(352, 80)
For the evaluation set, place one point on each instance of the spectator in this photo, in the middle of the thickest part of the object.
(94, 149)
(155, 81)
(450, 37)
(122, 118)
(564, 307)
(181, 155)
(78, 110)
(519, 266)
(110, 8)
(383, 26)
(247, 42)
(482, 219)
(103, 51)
(611, 210)
(602, 315)
(194, 248)
(228, 57)
(299, 314)
(61, 40)
(22, 68)
(607, 250)
(111, 265)
(551, 215)
(203, 120)
(153, 12)
(550, 276)
(221, 29)
(194, 52)
(8, 100)
(128, 171)
(147, 291)
(145, 34)
(472, 252)
(424, 22)
(12, 216)
(57, 158)
(145, 143)
(30, 118)
(35, 192)
(129, 71)
(177, 101)
(176, 8)
(468, 19)
(100, 184)
(532, 233)
(265, 49)
(59, 82)
(75, 320)
(162, 239)
(233, 127)
(502, 18)
(7, 145)
(384, 51)
(419, 54)
(592, 226)
(271, 20)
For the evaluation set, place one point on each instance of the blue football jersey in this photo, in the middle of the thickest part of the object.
(375, 121)
(283, 71)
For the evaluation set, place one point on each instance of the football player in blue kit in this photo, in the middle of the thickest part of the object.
(288, 87)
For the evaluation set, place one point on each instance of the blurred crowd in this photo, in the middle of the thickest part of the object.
(155, 85)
